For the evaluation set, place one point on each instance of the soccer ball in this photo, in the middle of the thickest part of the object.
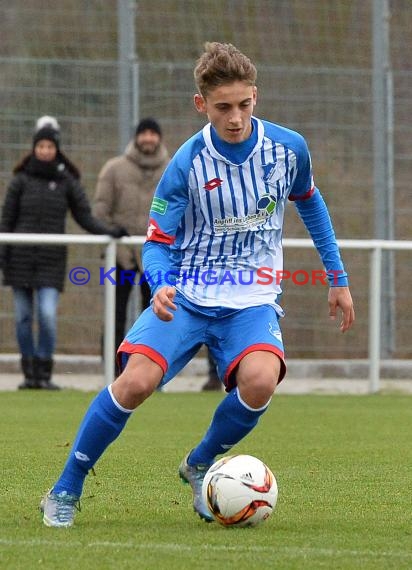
(240, 490)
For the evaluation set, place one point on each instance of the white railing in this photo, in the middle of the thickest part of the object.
(374, 246)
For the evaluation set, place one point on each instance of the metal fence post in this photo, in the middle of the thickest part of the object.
(383, 156)
(128, 80)
(109, 315)
(375, 308)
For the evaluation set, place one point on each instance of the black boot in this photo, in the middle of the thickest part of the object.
(42, 371)
(30, 382)
(213, 383)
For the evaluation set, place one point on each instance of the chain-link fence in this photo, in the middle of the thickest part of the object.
(315, 64)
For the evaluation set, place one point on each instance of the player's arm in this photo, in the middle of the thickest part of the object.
(314, 214)
(167, 210)
(156, 263)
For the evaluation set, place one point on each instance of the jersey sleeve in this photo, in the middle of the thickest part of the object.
(156, 264)
(315, 215)
(166, 213)
(169, 204)
(303, 185)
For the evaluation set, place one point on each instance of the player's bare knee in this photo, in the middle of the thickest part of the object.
(257, 391)
(259, 371)
(137, 382)
(256, 385)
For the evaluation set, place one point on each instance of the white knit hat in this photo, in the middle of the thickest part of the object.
(47, 121)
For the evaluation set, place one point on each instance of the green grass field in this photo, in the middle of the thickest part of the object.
(343, 466)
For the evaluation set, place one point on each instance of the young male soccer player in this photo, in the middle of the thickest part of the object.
(213, 250)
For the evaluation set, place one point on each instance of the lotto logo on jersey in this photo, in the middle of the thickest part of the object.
(212, 184)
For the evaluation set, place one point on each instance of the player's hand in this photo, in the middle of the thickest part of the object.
(163, 303)
(341, 297)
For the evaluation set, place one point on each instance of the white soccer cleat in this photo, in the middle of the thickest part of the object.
(59, 509)
(194, 475)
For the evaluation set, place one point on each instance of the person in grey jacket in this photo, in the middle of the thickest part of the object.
(45, 187)
(124, 193)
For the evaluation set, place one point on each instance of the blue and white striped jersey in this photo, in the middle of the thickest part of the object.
(223, 221)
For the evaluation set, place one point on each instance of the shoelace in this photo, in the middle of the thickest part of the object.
(64, 507)
(199, 472)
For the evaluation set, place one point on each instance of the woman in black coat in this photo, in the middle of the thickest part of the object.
(45, 186)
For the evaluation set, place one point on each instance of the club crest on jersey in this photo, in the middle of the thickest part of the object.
(267, 203)
(212, 184)
(272, 172)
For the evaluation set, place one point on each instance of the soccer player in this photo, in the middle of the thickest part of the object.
(213, 253)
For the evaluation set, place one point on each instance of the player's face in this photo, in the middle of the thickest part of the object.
(45, 150)
(229, 108)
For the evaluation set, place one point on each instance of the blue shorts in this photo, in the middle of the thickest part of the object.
(230, 334)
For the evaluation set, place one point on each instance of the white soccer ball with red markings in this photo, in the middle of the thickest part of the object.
(240, 490)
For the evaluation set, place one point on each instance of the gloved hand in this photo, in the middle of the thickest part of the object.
(118, 232)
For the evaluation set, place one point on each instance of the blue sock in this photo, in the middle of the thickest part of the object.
(103, 422)
(232, 421)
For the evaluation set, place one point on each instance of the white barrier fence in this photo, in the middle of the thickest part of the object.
(375, 247)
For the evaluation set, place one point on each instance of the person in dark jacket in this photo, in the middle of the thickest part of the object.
(45, 186)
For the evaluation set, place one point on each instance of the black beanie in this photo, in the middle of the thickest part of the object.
(49, 134)
(148, 124)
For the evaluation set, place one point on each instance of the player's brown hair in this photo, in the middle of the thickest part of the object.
(221, 64)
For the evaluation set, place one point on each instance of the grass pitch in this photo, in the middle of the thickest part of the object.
(343, 466)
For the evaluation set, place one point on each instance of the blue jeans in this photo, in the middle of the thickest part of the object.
(46, 300)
